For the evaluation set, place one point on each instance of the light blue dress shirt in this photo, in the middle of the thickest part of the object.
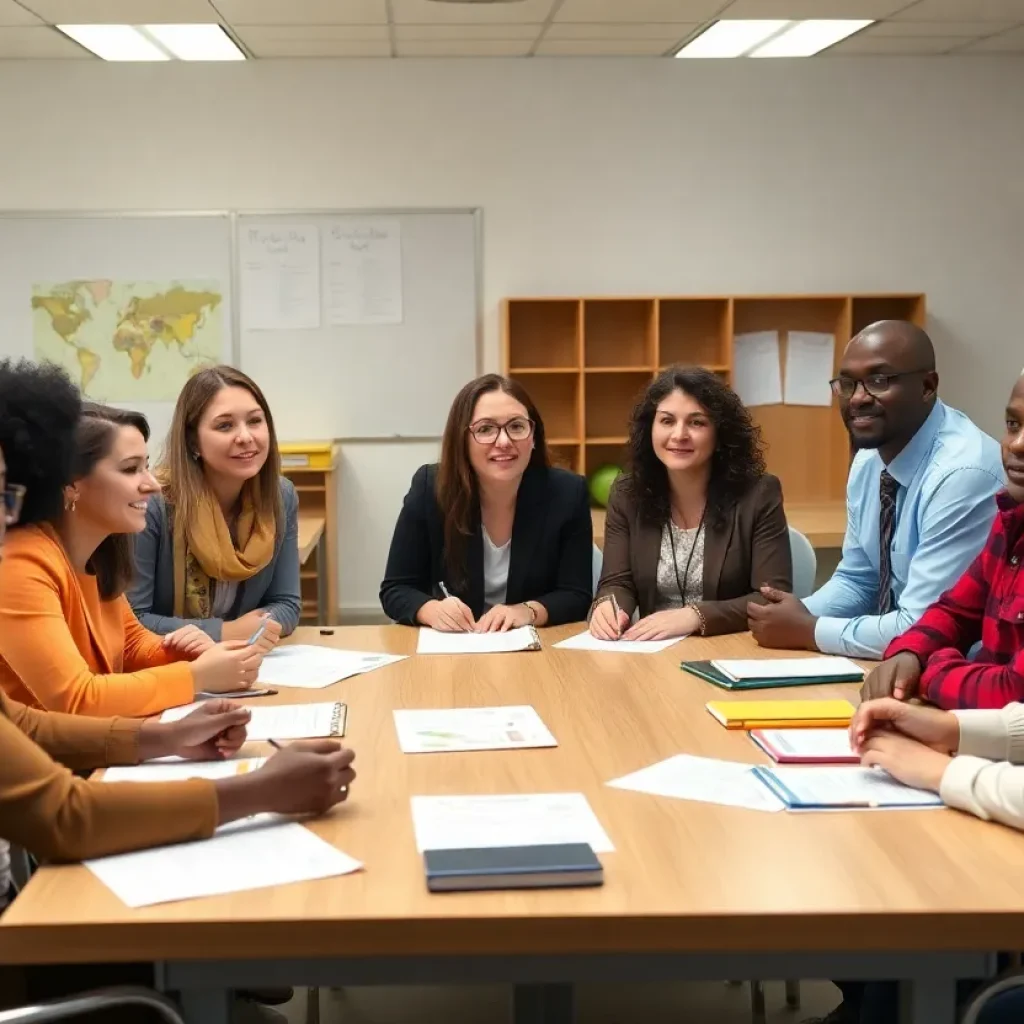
(948, 476)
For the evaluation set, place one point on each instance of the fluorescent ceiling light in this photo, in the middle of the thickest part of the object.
(196, 42)
(114, 42)
(731, 38)
(805, 38)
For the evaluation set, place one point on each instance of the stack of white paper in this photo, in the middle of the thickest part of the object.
(432, 641)
(311, 667)
(283, 721)
(739, 669)
(448, 729)
(251, 854)
(520, 819)
(588, 642)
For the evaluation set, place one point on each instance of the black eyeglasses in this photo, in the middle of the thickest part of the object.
(875, 384)
(13, 497)
(519, 428)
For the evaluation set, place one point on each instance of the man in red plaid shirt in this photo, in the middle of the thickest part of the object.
(986, 604)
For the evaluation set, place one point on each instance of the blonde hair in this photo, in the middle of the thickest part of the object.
(180, 472)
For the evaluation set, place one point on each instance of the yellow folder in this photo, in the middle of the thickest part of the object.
(782, 714)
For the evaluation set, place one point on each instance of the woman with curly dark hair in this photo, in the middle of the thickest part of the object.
(697, 526)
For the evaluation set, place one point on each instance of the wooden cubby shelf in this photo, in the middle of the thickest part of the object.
(585, 360)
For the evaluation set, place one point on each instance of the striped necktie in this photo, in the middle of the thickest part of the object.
(888, 486)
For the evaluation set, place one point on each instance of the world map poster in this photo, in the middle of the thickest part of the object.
(129, 341)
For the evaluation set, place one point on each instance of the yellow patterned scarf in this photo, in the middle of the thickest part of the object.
(204, 552)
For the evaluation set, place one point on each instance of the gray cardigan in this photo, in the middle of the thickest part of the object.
(275, 588)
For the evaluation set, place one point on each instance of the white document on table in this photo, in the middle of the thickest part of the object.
(424, 731)
(810, 361)
(280, 276)
(756, 373)
(178, 771)
(310, 667)
(284, 721)
(588, 642)
(433, 641)
(519, 819)
(843, 789)
(739, 669)
(253, 854)
(705, 779)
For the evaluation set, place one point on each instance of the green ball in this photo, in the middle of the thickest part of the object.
(601, 481)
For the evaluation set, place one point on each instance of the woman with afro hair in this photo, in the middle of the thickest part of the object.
(697, 526)
(69, 640)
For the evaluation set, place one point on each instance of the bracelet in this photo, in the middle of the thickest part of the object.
(533, 612)
(700, 618)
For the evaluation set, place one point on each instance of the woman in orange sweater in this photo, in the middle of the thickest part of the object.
(69, 640)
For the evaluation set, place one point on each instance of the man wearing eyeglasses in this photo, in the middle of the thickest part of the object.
(920, 501)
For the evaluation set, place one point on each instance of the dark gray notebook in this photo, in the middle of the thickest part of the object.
(513, 867)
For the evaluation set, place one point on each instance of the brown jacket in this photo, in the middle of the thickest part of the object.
(752, 550)
(57, 816)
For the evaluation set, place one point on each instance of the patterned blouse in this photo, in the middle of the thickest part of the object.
(689, 549)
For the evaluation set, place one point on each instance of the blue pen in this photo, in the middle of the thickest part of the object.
(259, 632)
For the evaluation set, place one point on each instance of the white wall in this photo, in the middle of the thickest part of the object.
(617, 176)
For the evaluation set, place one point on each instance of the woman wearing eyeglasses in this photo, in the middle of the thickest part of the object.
(491, 537)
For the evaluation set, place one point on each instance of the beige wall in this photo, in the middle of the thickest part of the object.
(614, 176)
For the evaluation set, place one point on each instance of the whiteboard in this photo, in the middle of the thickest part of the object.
(381, 380)
(47, 248)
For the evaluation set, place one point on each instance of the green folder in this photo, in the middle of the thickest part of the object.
(705, 670)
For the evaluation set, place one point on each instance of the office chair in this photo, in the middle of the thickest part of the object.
(89, 1002)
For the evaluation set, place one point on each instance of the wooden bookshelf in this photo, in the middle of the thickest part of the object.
(312, 467)
(585, 360)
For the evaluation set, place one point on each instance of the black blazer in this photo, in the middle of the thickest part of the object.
(551, 559)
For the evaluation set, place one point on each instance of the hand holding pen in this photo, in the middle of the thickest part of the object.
(449, 615)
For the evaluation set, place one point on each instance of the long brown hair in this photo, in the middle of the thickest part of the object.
(457, 490)
(181, 474)
(113, 562)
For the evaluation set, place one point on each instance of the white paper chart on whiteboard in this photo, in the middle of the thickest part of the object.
(363, 271)
(280, 269)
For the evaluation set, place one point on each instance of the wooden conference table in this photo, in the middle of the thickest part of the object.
(692, 890)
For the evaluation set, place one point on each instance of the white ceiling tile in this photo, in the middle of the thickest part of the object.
(602, 48)
(303, 12)
(14, 14)
(258, 36)
(964, 10)
(465, 48)
(411, 33)
(1005, 42)
(638, 11)
(123, 12)
(321, 47)
(897, 45)
(937, 28)
(425, 12)
(40, 42)
(794, 10)
(579, 30)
